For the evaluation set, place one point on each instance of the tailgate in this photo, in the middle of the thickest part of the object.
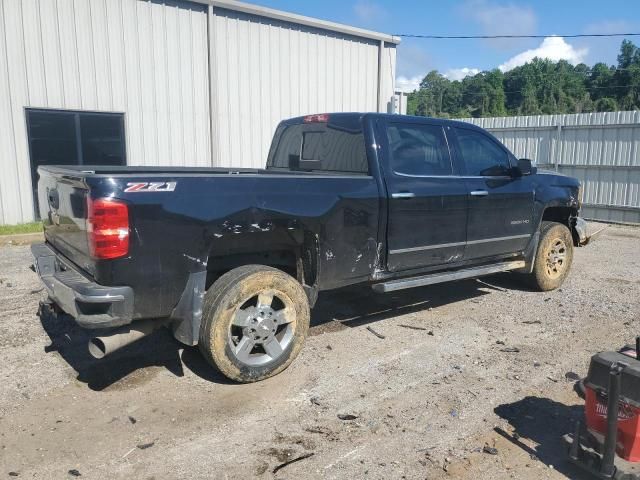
(62, 199)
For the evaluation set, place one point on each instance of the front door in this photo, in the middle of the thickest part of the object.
(427, 200)
(500, 218)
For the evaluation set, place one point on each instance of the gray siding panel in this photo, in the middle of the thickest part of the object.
(150, 59)
(9, 186)
(16, 192)
(146, 59)
(266, 70)
(601, 149)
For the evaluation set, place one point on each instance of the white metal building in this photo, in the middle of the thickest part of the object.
(168, 82)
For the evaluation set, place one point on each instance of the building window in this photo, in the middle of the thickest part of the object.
(62, 137)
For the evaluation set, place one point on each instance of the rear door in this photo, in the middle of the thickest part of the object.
(427, 217)
(500, 204)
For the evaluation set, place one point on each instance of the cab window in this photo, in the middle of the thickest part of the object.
(419, 150)
(481, 156)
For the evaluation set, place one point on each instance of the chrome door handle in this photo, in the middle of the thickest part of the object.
(479, 193)
(403, 195)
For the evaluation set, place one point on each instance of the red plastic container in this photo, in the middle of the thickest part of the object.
(628, 444)
(596, 385)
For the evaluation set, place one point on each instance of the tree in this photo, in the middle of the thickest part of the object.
(628, 52)
(540, 86)
(452, 98)
(626, 80)
(606, 104)
(495, 81)
(434, 86)
(600, 81)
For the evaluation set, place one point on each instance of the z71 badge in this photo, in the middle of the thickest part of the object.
(151, 187)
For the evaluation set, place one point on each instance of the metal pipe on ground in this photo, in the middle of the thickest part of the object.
(100, 347)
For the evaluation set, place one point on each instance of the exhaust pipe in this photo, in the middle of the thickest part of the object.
(100, 347)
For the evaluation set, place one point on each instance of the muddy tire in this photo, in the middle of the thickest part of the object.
(254, 322)
(553, 258)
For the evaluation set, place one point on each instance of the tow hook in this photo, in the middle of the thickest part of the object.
(582, 231)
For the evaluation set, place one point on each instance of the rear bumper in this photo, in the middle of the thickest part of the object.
(92, 305)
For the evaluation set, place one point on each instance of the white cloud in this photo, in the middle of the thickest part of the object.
(553, 48)
(368, 12)
(500, 19)
(460, 73)
(408, 84)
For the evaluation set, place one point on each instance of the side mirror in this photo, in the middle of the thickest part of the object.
(526, 167)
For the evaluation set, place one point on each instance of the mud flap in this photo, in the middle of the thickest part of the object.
(530, 254)
(187, 315)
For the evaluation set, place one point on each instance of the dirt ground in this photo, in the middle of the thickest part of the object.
(426, 398)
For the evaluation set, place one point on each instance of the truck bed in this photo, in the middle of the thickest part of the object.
(210, 213)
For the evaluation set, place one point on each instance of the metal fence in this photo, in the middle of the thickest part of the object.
(601, 149)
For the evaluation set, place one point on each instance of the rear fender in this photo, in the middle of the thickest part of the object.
(296, 252)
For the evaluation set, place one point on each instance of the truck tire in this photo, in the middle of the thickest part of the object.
(254, 322)
(553, 258)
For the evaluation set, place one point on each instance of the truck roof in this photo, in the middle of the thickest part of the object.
(387, 116)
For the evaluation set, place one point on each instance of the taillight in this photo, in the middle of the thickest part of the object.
(317, 118)
(107, 228)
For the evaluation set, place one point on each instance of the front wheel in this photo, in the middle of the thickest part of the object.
(254, 322)
(553, 258)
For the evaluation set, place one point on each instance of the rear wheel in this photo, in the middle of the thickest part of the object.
(553, 258)
(254, 322)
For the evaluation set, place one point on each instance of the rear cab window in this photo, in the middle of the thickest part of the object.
(336, 145)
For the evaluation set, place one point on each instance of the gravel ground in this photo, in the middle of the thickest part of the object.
(426, 398)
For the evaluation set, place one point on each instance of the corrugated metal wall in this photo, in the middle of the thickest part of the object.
(400, 103)
(147, 59)
(601, 149)
(166, 64)
(265, 70)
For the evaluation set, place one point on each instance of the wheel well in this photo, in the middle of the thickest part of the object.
(559, 214)
(299, 261)
(284, 260)
(562, 215)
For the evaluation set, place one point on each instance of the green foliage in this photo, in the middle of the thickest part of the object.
(537, 87)
(606, 104)
(34, 227)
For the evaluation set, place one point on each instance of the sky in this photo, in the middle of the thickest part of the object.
(458, 58)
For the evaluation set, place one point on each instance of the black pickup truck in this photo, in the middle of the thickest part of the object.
(233, 259)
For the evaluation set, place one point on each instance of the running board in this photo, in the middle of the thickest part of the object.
(423, 280)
